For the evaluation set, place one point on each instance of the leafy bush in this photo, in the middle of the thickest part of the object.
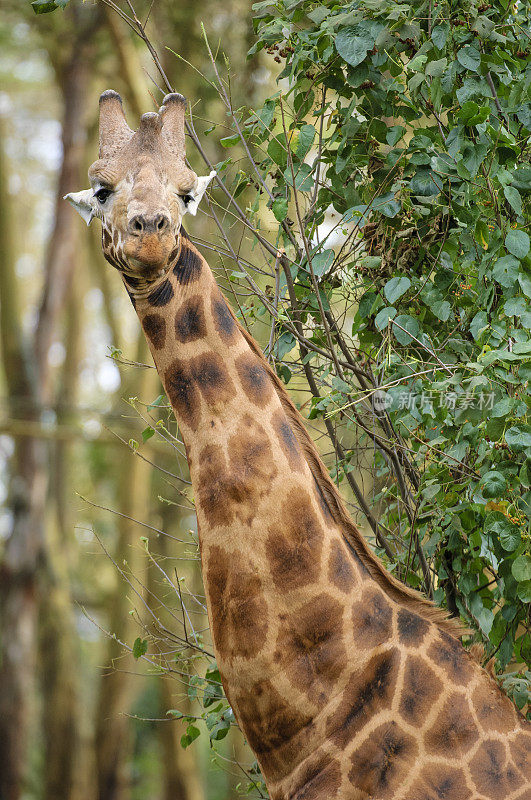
(396, 160)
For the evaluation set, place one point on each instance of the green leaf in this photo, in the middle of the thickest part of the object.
(424, 184)
(303, 177)
(469, 110)
(147, 433)
(395, 288)
(506, 270)
(354, 42)
(140, 647)
(280, 208)
(524, 593)
(521, 178)
(158, 400)
(517, 243)
(493, 484)
(483, 615)
(439, 35)
(192, 732)
(383, 316)
(521, 568)
(285, 343)
(368, 304)
(436, 68)
(228, 141)
(518, 437)
(514, 199)
(278, 151)
(306, 137)
(408, 325)
(525, 283)
(515, 307)
(442, 309)
(321, 262)
(508, 533)
(478, 324)
(469, 57)
(44, 6)
(394, 134)
(503, 407)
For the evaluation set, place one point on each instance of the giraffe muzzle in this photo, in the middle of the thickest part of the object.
(149, 249)
(142, 224)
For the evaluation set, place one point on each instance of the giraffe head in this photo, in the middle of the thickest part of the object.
(140, 186)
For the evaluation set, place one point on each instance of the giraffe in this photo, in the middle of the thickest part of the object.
(346, 683)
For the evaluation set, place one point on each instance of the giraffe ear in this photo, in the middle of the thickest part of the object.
(198, 192)
(83, 202)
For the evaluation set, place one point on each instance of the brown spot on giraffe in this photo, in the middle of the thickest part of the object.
(318, 776)
(223, 320)
(275, 728)
(188, 267)
(212, 378)
(449, 654)
(293, 545)
(383, 761)
(520, 749)
(162, 295)
(494, 711)
(340, 566)
(311, 644)
(287, 440)
(454, 731)
(227, 490)
(182, 392)
(215, 497)
(491, 774)
(190, 322)
(372, 619)
(440, 782)
(251, 462)
(366, 693)
(254, 379)
(420, 690)
(239, 608)
(411, 628)
(155, 328)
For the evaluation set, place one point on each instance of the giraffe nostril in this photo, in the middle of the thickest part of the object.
(162, 222)
(136, 224)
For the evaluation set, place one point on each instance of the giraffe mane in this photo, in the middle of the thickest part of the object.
(405, 595)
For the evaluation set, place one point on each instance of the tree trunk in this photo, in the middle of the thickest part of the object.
(28, 387)
(117, 688)
(23, 547)
(59, 647)
(182, 775)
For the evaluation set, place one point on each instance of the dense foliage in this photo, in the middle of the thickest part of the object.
(396, 158)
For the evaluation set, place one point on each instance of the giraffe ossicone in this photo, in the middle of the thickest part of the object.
(346, 683)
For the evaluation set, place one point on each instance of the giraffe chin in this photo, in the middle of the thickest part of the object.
(149, 255)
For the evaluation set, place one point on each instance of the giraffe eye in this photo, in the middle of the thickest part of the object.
(102, 194)
(186, 198)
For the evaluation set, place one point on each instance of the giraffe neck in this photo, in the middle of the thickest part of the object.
(345, 683)
(242, 447)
